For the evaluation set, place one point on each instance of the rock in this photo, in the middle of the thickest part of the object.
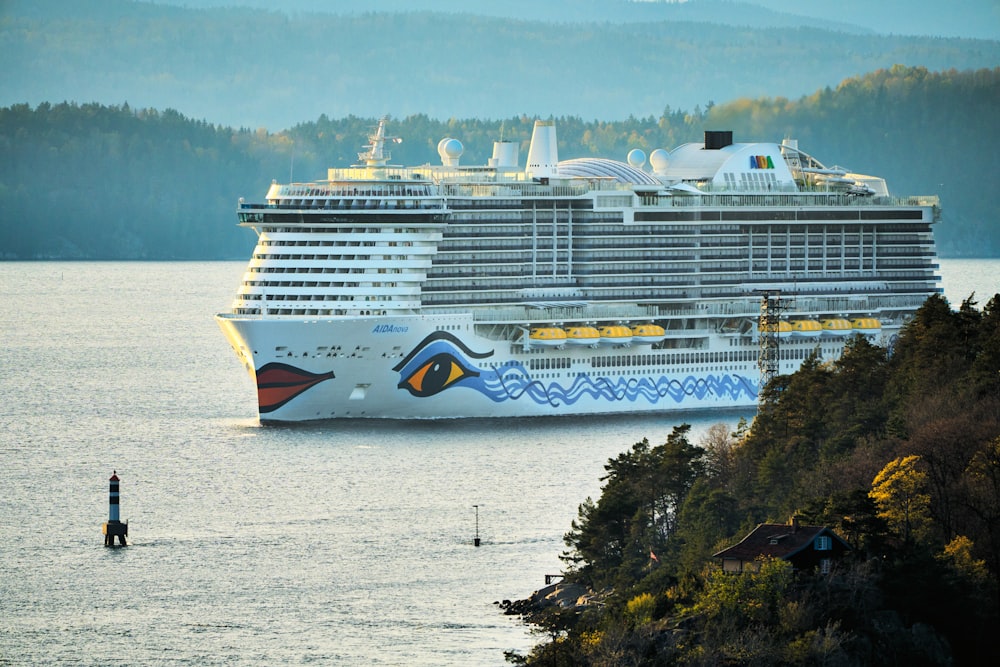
(564, 596)
(567, 595)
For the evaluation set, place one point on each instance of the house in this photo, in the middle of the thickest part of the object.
(807, 548)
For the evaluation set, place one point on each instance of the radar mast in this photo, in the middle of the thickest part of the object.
(377, 155)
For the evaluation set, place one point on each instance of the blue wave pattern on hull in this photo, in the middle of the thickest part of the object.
(516, 383)
(442, 361)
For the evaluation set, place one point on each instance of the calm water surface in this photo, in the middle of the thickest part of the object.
(337, 543)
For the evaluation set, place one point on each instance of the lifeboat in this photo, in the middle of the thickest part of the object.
(616, 334)
(647, 334)
(547, 336)
(837, 327)
(806, 328)
(866, 325)
(784, 329)
(588, 336)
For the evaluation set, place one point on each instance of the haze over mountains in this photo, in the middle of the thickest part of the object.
(958, 18)
(255, 66)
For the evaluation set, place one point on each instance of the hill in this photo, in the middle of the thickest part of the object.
(112, 182)
(970, 18)
(253, 68)
(897, 452)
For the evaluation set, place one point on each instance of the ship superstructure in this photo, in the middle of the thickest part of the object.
(566, 287)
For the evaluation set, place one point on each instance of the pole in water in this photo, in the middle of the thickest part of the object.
(114, 527)
(476, 541)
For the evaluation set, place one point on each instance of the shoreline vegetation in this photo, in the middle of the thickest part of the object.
(95, 182)
(895, 450)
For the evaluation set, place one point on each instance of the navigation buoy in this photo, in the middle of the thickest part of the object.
(476, 540)
(114, 527)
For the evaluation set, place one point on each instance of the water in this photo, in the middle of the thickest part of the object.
(961, 277)
(336, 543)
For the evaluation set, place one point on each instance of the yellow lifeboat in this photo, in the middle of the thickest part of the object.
(806, 328)
(588, 336)
(647, 334)
(616, 334)
(837, 327)
(784, 329)
(866, 325)
(547, 336)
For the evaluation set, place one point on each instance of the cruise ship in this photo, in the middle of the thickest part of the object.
(681, 280)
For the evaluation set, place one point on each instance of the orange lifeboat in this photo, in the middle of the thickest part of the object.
(616, 334)
(647, 334)
(547, 336)
(866, 325)
(837, 327)
(806, 328)
(784, 329)
(583, 336)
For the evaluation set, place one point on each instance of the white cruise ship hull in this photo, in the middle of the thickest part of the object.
(427, 367)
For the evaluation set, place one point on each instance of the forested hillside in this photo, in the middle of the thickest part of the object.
(898, 454)
(99, 182)
(269, 68)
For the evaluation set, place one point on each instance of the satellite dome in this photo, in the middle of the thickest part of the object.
(659, 160)
(636, 158)
(449, 147)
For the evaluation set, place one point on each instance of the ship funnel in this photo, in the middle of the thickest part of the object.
(543, 156)
(716, 139)
(504, 154)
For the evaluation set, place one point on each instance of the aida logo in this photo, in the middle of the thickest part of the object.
(761, 162)
(389, 328)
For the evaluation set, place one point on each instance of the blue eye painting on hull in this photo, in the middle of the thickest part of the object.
(441, 361)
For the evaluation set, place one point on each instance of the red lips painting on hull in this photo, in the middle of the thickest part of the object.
(279, 383)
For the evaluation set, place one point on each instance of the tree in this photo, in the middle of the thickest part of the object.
(637, 511)
(899, 492)
(739, 616)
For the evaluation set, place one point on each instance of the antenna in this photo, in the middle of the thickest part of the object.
(376, 155)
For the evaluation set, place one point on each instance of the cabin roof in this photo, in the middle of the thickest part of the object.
(777, 540)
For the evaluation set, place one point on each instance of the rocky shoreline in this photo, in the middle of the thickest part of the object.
(563, 596)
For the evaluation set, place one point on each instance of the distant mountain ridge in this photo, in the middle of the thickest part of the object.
(977, 19)
(264, 68)
(723, 12)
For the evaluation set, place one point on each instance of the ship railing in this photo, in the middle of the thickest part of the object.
(558, 314)
(512, 189)
(739, 307)
(360, 204)
(771, 199)
(851, 303)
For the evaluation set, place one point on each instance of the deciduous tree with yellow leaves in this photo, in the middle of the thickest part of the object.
(899, 492)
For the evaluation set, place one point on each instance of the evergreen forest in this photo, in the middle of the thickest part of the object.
(89, 181)
(897, 451)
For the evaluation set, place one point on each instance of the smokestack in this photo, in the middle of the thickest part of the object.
(543, 156)
(504, 154)
(716, 139)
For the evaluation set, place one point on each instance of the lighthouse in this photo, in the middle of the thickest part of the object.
(114, 527)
